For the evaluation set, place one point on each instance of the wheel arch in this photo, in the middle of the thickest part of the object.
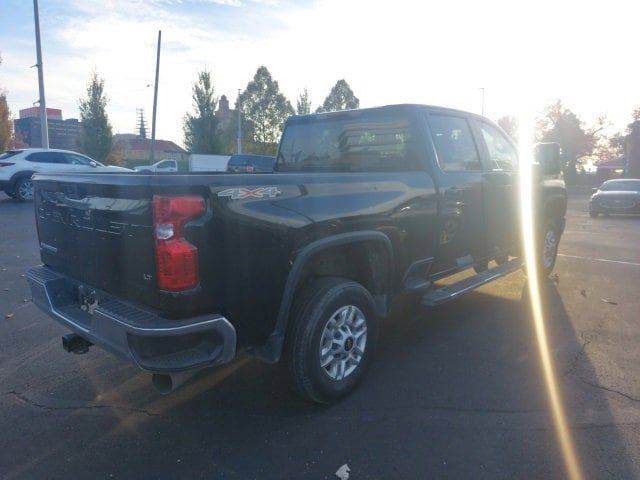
(17, 176)
(377, 249)
(555, 207)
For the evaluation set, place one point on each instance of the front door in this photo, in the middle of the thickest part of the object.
(459, 171)
(500, 190)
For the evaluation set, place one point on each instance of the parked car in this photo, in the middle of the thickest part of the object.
(17, 167)
(299, 264)
(620, 196)
(247, 163)
(162, 166)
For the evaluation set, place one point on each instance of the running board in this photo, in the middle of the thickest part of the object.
(453, 291)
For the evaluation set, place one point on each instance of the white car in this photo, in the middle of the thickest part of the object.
(17, 166)
(161, 166)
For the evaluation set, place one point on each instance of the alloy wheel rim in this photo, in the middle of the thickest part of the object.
(26, 190)
(343, 342)
(550, 245)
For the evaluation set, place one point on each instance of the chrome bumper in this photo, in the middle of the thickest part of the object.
(153, 343)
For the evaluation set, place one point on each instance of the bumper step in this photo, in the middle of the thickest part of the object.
(442, 295)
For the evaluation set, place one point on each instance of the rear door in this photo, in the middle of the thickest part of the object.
(459, 172)
(500, 182)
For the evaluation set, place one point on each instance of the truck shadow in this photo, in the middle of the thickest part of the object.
(455, 391)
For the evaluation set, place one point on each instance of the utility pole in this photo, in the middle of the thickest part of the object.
(155, 101)
(44, 127)
(239, 134)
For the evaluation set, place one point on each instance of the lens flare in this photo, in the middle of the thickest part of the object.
(527, 215)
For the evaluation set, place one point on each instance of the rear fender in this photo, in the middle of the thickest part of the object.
(272, 349)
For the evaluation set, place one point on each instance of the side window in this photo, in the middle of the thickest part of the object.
(46, 157)
(166, 164)
(76, 159)
(454, 144)
(502, 155)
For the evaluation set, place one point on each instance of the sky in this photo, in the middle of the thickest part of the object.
(524, 54)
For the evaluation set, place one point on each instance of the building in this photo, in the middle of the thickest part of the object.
(62, 133)
(136, 151)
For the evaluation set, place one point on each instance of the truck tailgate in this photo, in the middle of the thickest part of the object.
(99, 232)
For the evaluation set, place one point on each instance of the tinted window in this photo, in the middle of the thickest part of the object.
(621, 185)
(454, 144)
(371, 142)
(502, 155)
(47, 157)
(238, 161)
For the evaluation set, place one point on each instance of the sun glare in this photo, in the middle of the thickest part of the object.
(572, 463)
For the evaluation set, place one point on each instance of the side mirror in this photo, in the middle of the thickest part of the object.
(93, 164)
(547, 155)
(594, 190)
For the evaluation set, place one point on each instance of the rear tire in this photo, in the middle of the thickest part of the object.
(331, 338)
(23, 189)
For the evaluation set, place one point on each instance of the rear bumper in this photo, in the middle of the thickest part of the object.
(152, 343)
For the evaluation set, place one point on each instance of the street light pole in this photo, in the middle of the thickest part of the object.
(155, 101)
(239, 134)
(44, 127)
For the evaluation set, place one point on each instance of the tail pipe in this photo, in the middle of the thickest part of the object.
(165, 383)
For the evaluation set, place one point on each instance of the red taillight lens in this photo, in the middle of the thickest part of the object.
(176, 259)
(250, 169)
(177, 265)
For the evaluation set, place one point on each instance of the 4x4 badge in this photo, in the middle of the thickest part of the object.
(241, 193)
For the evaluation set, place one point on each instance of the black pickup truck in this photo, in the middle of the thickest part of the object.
(176, 272)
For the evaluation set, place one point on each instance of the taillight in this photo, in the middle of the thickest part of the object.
(6, 164)
(176, 259)
(250, 169)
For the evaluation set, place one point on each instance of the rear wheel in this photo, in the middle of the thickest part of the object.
(331, 338)
(23, 189)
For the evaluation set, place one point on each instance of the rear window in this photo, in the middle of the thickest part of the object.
(374, 142)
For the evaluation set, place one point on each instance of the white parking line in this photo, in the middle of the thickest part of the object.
(600, 259)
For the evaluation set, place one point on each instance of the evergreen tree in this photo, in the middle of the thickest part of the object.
(340, 97)
(6, 127)
(201, 128)
(303, 105)
(264, 110)
(96, 136)
(142, 124)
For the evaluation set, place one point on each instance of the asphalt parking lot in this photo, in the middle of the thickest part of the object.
(454, 392)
